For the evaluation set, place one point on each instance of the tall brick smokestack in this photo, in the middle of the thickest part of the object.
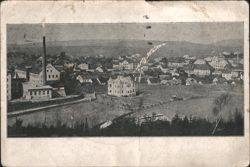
(44, 61)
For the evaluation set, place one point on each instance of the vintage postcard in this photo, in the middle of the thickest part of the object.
(109, 80)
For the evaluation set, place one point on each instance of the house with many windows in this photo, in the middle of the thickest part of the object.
(121, 86)
(37, 93)
(202, 70)
(127, 64)
(53, 72)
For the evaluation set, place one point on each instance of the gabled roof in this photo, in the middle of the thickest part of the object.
(58, 67)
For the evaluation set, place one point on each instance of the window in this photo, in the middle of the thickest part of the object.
(49, 76)
(50, 70)
(44, 92)
(30, 92)
(56, 76)
(39, 92)
(47, 70)
(52, 76)
(47, 92)
(34, 92)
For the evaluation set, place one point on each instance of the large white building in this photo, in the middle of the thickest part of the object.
(37, 92)
(202, 70)
(121, 86)
(125, 65)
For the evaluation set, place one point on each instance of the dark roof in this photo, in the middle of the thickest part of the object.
(239, 67)
(58, 67)
(154, 80)
(188, 67)
(176, 60)
(202, 67)
(103, 80)
(35, 68)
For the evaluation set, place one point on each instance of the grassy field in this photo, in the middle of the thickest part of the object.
(198, 101)
(70, 114)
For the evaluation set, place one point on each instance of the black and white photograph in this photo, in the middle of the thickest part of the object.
(125, 79)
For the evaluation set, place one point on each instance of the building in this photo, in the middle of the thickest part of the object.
(199, 61)
(83, 66)
(188, 69)
(8, 83)
(128, 64)
(84, 79)
(99, 69)
(37, 93)
(227, 74)
(218, 63)
(176, 62)
(31, 76)
(187, 57)
(53, 73)
(202, 70)
(121, 86)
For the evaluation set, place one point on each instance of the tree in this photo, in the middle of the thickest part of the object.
(219, 103)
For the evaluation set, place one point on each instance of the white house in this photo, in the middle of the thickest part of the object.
(189, 57)
(37, 93)
(227, 74)
(121, 86)
(99, 69)
(52, 73)
(125, 65)
(84, 79)
(83, 66)
(202, 70)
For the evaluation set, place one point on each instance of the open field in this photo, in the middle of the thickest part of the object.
(198, 101)
(70, 114)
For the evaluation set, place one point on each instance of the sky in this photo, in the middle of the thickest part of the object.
(199, 32)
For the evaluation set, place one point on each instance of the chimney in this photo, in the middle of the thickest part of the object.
(44, 61)
(28, 73)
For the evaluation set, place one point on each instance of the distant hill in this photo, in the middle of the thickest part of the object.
(114, 48)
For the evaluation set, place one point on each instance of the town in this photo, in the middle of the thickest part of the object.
(124, 88)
